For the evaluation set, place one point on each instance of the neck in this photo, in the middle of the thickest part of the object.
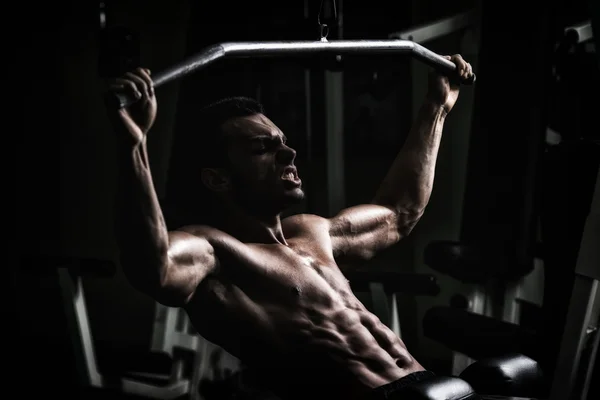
(252, 228)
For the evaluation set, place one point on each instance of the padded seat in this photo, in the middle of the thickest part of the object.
(247, 384)
(508, 375)
(512, 375)
(438, 388)
(476, 335)
(470, 264)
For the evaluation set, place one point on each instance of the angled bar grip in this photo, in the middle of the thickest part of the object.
(299, 49)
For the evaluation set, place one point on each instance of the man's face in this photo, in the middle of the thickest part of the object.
(263, 175)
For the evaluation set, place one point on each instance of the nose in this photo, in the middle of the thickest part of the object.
(286, 155)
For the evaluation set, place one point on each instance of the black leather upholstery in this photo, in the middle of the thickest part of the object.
(508, 375)
(439, 388)
(471, 264)
(478, 336)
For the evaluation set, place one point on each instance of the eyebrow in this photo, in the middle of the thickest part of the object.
(267, 137)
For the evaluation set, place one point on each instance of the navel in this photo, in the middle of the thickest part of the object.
(296, 290)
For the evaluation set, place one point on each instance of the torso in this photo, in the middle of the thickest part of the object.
(290, 312)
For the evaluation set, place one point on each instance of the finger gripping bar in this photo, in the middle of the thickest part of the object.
(302, 49)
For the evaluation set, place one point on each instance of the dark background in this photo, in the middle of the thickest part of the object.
(62, 161)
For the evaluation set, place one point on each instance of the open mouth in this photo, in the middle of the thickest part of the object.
(290, 174)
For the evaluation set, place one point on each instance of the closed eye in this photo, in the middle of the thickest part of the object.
(266, 144)
(259, 150)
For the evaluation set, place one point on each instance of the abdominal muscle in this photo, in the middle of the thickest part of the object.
(309, 339)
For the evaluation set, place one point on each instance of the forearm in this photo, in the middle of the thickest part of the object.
(141, 230)
(408, 184)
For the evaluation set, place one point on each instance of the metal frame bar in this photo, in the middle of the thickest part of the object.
(587, 382)
(334, 133)
(442, 27)
(166, 332)
(334, 128)
(79, 326)
(579, 33)
(76, 311)
(585, 296)
(384, 307)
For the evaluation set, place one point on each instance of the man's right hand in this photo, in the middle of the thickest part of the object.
(138, 118)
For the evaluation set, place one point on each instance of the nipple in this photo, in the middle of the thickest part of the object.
(296, 290)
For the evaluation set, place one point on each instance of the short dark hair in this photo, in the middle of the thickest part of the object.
(202, 147)
(212, 152)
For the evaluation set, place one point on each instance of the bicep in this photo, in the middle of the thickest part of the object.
(358, 233)
(191, 258)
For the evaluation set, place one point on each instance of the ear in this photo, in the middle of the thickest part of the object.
(216, 179)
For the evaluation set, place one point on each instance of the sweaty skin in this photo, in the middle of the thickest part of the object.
(269, 291)
(289, 310)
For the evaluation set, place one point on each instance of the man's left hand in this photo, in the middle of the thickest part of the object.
(443, 91)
